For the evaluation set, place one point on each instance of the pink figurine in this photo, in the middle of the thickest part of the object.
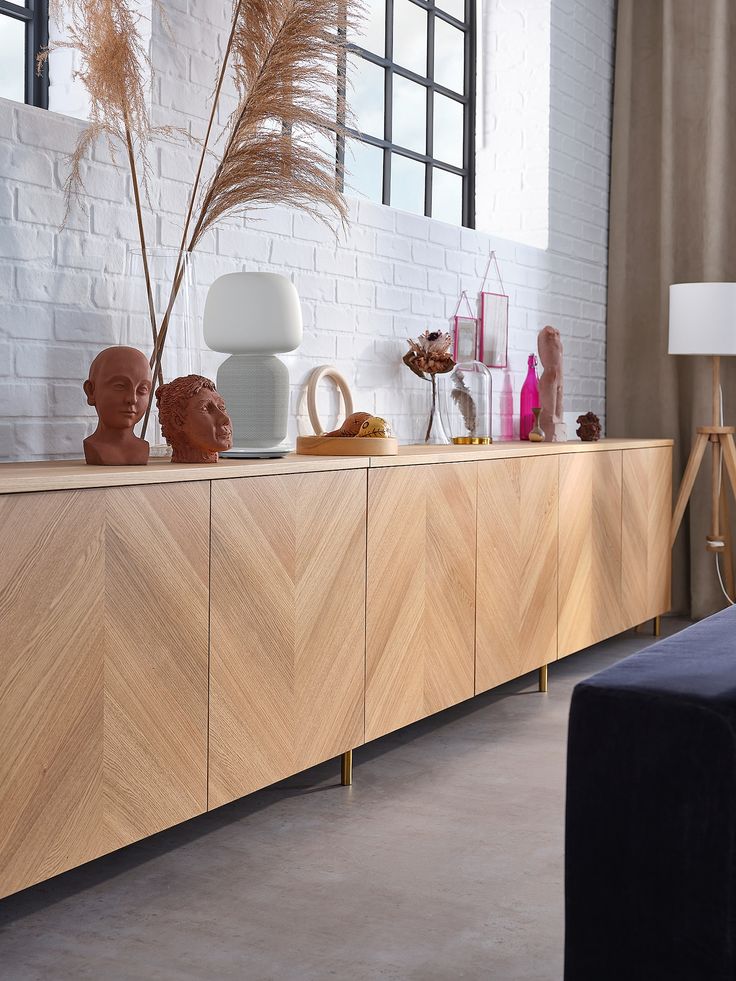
(551, 385)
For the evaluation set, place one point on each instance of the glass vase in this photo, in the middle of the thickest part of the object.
(182, 347)
(434, 433)
(466, 403)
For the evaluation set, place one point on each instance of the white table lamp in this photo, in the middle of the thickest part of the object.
(703, 322)
(253, 316)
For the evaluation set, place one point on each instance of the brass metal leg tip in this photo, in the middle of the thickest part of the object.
(346, 769)
(657, 626)
(543, 678)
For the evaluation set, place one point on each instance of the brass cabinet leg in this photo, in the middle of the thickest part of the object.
(346, 769)
(657, 626)
(543, 678)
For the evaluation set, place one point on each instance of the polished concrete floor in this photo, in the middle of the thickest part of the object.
(443, 861)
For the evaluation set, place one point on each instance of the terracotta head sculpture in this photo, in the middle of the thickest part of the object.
(551, 384)
(194, 419)
(119, 387)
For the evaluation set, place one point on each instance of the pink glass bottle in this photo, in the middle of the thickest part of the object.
(529, 399)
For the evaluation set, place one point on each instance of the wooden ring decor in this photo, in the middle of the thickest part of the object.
(326, 371)
(323, 445)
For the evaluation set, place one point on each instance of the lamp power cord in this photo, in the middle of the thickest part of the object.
(720, 485)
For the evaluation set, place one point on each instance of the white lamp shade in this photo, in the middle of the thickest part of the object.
(703, 318)
(252, 313)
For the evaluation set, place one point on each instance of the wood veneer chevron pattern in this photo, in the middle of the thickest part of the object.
(647, 512)
(156, 654)
(103, 672)
(287, 626)
(421, 592)
(516, 613)
(51, 684)
(590, 550)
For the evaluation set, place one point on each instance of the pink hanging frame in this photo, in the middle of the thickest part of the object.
(493, 341)
(465, 338)
(494, 330)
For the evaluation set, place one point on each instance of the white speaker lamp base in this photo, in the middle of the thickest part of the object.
(245, 453)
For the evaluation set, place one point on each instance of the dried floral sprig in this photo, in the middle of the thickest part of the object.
(285, 57)
(113, 67)
(430, 354)
(285, 61)
(288, 61)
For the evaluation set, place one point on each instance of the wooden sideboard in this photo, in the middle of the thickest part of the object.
(175, 637)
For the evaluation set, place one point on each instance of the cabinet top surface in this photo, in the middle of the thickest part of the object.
(16, 478)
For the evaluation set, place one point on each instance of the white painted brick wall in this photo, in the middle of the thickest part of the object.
(63, 293)
(513, 132)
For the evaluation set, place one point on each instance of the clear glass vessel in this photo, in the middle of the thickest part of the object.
(181, 355)
(434, 432)
(465, 398)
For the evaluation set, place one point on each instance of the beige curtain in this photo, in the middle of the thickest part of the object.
(672, 219)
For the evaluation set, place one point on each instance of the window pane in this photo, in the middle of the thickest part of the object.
(449, 56)
(12, 58)
(410, 36)
(456, 8)
(407, 184)
(447, 197)
(365, 95)
(364, 167)
(410, 115)
(448, 130)
(371, 32)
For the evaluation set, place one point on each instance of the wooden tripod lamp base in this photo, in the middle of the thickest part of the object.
(703, 321)
(723, 457)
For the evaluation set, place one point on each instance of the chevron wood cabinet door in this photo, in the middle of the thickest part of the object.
(103, 672)
(287, 626)
(420, 619)
(156, 658)
(51, 684)
(647, 512)
(590, 549)
(516, 611)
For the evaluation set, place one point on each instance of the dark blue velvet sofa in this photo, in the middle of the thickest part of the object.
(650, 864)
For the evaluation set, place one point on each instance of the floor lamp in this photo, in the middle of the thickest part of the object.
(703, 322)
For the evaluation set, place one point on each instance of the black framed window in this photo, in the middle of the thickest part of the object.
(24, 30)
(411, 93)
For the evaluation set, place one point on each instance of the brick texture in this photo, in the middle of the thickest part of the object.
(65, 294)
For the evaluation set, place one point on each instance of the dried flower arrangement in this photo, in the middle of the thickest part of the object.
(113, 67)
(284, 57)
(429, 356)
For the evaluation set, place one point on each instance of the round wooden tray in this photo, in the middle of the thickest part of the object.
(347, 446)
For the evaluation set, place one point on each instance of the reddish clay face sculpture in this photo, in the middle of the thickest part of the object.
(119, 386)
(194, 419)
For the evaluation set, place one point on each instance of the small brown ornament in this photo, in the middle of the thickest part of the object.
(536, 433)
(589, 428)
(352, 425)
(374, 427)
